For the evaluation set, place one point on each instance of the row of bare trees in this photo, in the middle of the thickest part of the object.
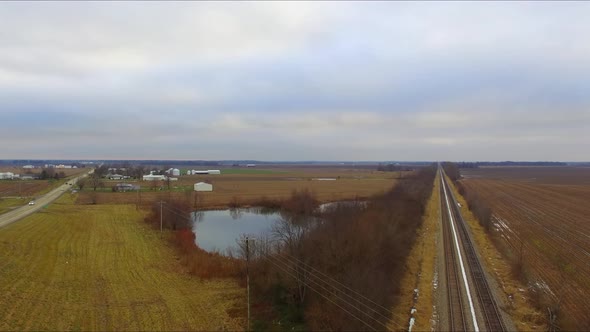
(481, 210)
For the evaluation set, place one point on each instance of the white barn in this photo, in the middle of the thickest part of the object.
(203, 186)
(176, 172)
(6, 176)
(152, 177)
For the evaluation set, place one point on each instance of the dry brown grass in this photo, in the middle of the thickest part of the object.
(420, 268)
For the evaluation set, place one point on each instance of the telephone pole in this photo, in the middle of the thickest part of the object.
(161, 207)
(248, 277)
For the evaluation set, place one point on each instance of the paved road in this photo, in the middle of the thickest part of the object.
(19, 213)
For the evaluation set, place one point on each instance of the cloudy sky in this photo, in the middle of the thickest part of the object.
(295, 81)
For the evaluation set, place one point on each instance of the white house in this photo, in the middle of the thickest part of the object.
(6, 176)
(203, 186)
(152, 177)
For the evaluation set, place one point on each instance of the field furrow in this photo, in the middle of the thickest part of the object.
(96, 268)
(549, 223)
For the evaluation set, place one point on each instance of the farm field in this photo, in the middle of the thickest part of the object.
(99, 267)
(246, 188)
(11, 203)
(543, 213)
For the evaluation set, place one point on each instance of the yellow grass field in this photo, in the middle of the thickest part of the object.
(99, 268)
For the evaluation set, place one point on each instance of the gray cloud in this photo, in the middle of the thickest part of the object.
(289, 81)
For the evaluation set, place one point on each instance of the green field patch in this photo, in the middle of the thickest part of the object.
(249, 171)
(7, 204)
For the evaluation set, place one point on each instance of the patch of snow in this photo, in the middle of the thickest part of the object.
(412, 321)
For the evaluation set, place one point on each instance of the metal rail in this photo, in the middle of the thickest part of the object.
(490, 310)
(457, 320)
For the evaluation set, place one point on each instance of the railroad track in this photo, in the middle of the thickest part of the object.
(457, 321)
(489, 309)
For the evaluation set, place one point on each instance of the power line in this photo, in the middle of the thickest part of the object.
(326, 284)
(351, 290)
(320, 294)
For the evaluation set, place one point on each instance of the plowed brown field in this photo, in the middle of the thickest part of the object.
(544, 212)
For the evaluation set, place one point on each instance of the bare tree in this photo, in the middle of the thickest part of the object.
(96, 181)
(290, 236)
(81, 183)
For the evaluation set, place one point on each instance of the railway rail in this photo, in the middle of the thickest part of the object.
(457, 321)
(489, 309)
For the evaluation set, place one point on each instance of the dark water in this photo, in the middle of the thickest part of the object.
(219, 230)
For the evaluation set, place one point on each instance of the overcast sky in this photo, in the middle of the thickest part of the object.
(295, 81)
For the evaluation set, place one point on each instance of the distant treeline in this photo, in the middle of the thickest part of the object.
(393, 168)
(509, 163)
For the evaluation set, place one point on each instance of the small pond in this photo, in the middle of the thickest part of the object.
(218, 230)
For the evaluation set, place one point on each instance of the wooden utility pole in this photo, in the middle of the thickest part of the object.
(161, 207)
(248, 277)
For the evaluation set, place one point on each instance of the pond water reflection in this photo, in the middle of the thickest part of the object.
(218, 230)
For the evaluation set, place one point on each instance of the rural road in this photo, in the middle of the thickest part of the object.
(26, 210)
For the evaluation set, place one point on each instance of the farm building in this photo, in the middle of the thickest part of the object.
(203, 186)
(125, 187)
(210, 171)
(6, 176)
(115, 176)
(152, 177)
(175, 172)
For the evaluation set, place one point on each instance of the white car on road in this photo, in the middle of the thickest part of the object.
(32, 203)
